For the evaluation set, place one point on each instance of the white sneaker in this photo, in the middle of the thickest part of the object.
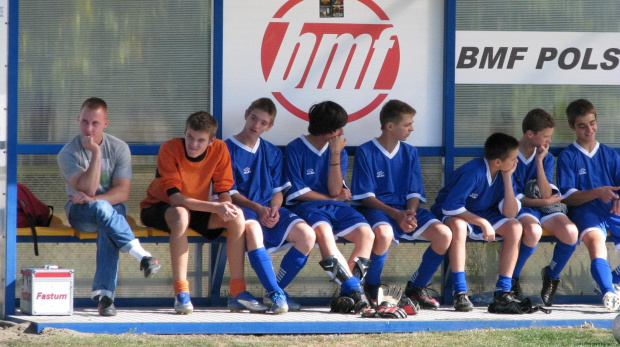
(183, 303)
(611, 301)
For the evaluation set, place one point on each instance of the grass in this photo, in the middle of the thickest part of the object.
(582, 336)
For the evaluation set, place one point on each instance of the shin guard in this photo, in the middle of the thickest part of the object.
(334, 269)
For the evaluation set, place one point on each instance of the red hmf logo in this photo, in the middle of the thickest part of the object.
(330, 60)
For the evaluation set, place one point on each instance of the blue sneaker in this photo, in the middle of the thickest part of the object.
(292, 305)
(183, 303)
(278, 302)
(246, 302)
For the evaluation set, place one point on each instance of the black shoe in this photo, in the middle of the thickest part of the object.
(516, 289)
(361, 301)
(548, 288)
(462, 303)
(504, 298)
(421, 296)
(341, 304)
(371, 292)
(106, 307)
(150, 266)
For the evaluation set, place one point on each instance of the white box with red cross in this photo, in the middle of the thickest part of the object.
(47, 291)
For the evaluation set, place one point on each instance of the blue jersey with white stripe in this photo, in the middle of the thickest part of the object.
(393, 178)
(579, 170)
(526, 171)
(258, 171)
(307, 168)
(471, 188)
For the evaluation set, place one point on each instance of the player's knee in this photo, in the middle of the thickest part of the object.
(306, 238)
(103, 209)
(443, 236)
(383, 235)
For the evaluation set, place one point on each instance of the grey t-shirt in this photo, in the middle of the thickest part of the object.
(115, 162)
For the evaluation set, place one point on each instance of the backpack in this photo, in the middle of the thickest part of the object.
(32, 212)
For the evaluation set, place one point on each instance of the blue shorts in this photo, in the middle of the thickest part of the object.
(340, 216)
(275, 238)
(536, 214)
(493, 216)
(589, 218)
(377, 217)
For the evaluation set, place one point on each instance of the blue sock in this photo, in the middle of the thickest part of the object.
(292, 262)
(459, 284)
(373, 274)
(503, 284)
(350, 285)
(601, 272)
(524, 254)
(430, 262)
(261, 263)
(615, 275)
(561, 254)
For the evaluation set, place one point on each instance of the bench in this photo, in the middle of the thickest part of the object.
(58, 232)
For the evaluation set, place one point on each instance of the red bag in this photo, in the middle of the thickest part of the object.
(32, 212)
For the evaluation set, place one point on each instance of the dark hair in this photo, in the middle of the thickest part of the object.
(579, 108)
(393, 110)
(537, 120)
(202, 121)
(94, 103)
(499, 145)
(265, 105)
(326, 117)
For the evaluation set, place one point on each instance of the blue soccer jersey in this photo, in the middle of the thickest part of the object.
(308, 168)
(526, 171)
(258, 171)
(579, 170)
(393, 178)
(471, 188)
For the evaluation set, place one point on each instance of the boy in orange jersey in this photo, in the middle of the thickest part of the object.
(177, 199)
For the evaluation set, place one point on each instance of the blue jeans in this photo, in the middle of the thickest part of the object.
(114, 235)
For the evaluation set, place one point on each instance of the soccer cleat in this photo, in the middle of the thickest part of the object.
(292, 304)
(548, 288)
(462, 303)
(341, 304)
(106, 307)
(150, 266)
(246, 302)
(371, 292)
(611, 301)
(516, 290)
(421, 296)
(504, 298)
(183, 303)
(278, 302)
(360, 300)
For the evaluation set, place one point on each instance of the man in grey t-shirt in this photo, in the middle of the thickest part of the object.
(96, 168)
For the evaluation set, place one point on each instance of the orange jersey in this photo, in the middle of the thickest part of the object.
(191, 177)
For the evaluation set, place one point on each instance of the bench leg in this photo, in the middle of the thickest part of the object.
(198, 269)
(217, 266)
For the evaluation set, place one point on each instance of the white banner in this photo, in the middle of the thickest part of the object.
(518, 57)
(358, 53)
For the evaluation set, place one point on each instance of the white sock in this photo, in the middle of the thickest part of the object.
(137, 251)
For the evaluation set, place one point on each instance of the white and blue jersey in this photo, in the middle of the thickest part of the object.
(258, 171)
(526, 171)
(258, 174)
(471, 188)
(392, 178)
(307, 169)
(579, 170)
